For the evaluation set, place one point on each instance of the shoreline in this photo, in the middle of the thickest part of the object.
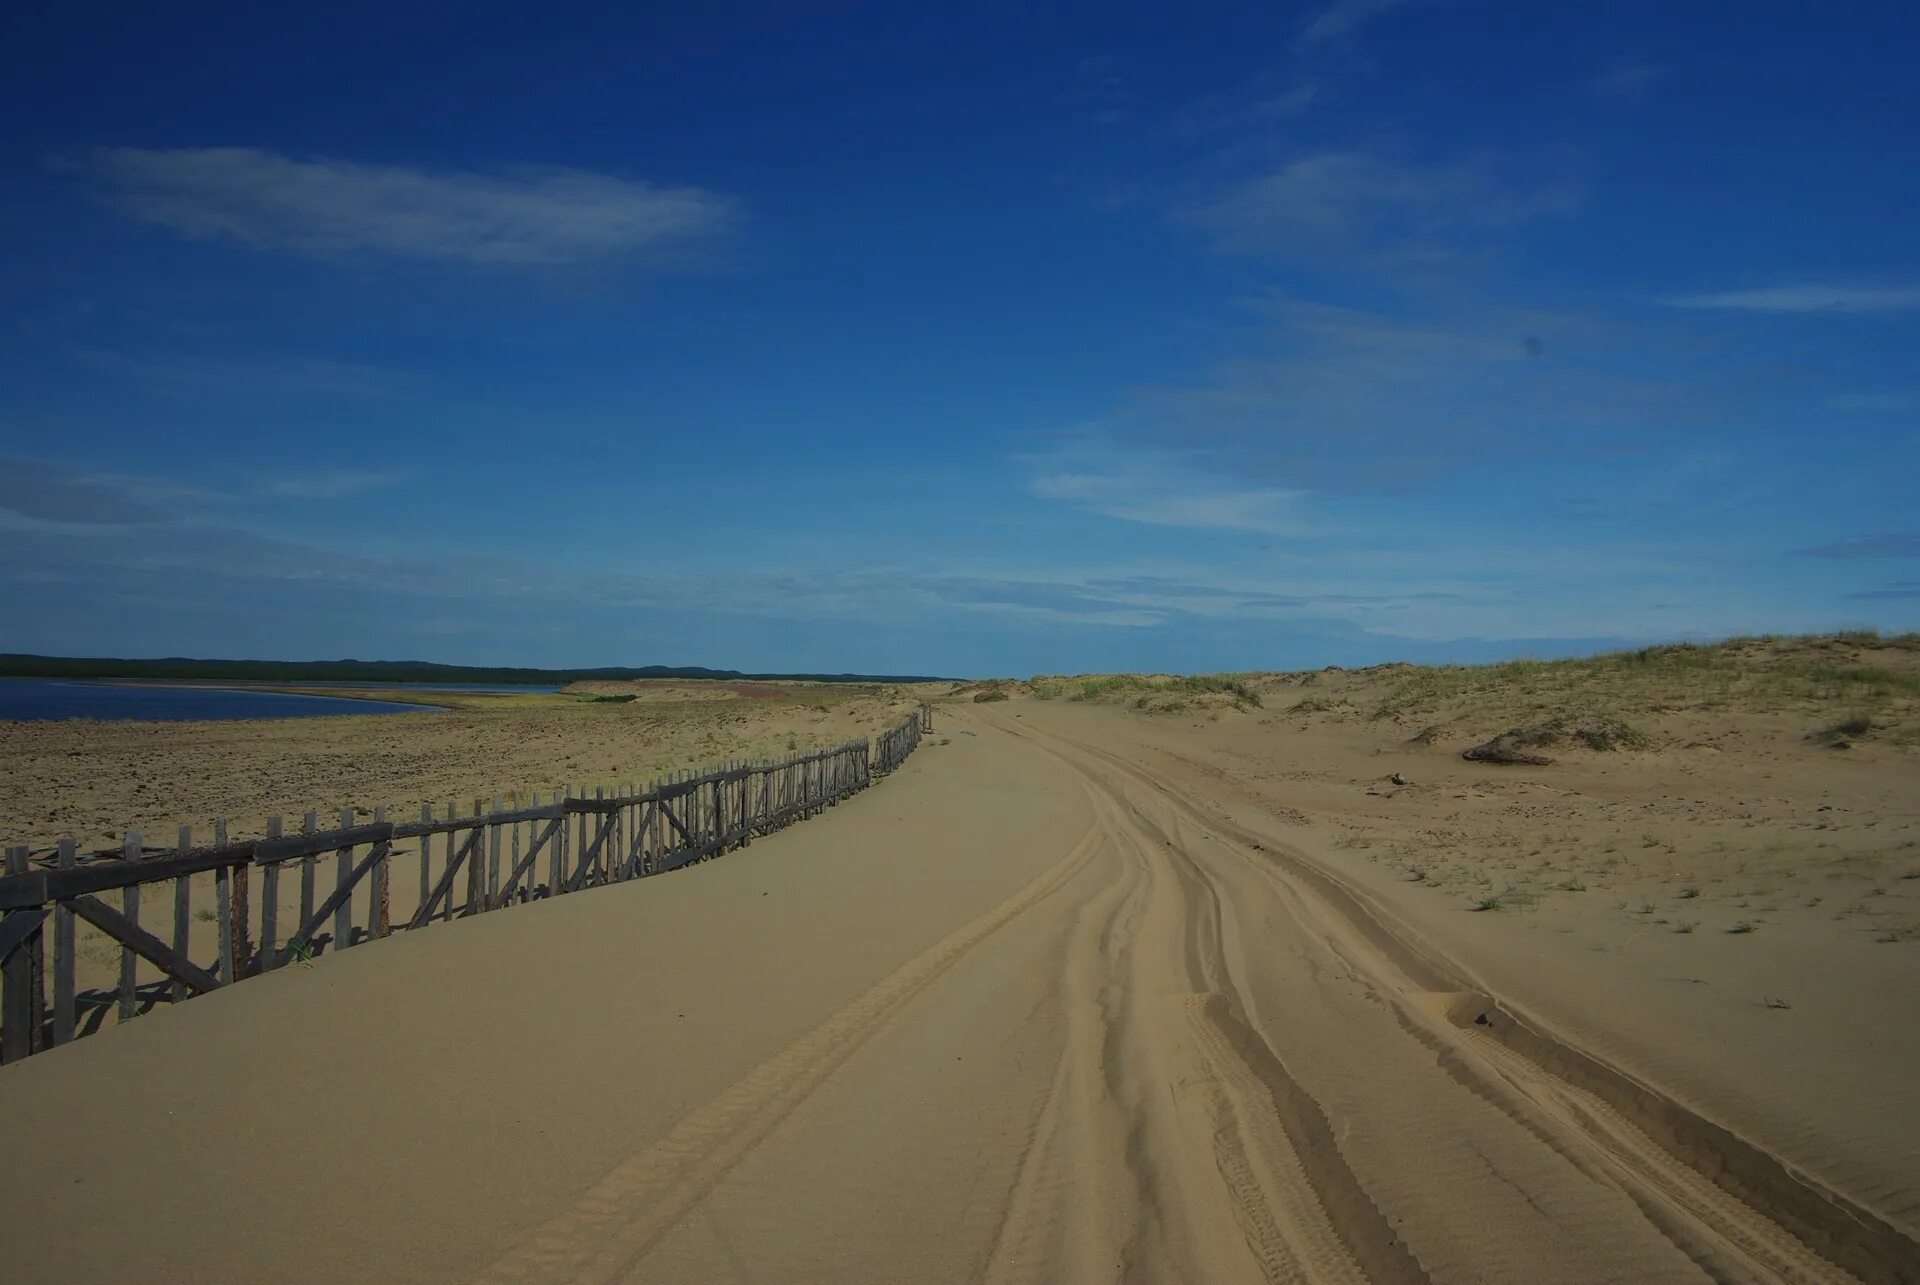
(386, 702)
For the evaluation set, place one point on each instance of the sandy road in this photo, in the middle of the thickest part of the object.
(1029, 1012)
(1174, 1141)
(1375, 1116)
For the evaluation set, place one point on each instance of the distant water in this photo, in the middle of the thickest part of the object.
(504, 688)
(38, 699)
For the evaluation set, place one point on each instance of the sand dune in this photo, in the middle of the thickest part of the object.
(1074, 996)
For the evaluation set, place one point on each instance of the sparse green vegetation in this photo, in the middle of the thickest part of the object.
(1146, 691)
(1505, 899)
(1781, 673)
(1846, 728)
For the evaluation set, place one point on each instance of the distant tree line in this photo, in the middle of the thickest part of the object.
(21, 665)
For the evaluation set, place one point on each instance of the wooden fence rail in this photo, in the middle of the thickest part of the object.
(488, 860)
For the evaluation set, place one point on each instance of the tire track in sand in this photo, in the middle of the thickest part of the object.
(1736, 1234)
(622, 1216)
(1173, 1144)
(1736, 1210)
(1275, 1201)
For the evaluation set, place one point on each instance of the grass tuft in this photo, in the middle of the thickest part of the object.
(1855, 725)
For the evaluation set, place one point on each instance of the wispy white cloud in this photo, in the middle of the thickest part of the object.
(520, 217)
(1628, 79)
(225, 374)
(37, 492)
(1342, 18)
(1875, 401)
(328, 484)
(1898, 589)
(1301, 605)
(1099, 91)
(1327, 399)
(1361, 202)
(1254, 107)
(1156, 488)
(1808, 298)
(1900, 544)
(43, 492)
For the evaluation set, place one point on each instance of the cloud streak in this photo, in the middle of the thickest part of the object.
(1356, 201)
(329, 484)
(333, 208)
(1897, 591)
(1902, 544)
(1156, 489)
(1807, 298)
(227, 375)
(1328, 399)
(1341, 19)
(1628, 80)
(45, 492)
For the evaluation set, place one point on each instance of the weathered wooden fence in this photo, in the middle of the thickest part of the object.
(891, 747)
(488, 860)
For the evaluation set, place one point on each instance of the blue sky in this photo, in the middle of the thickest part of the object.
(956, 339)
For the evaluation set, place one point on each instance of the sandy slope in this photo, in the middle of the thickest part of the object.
(1047, 1006)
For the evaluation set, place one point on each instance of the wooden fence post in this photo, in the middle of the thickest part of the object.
(230, 907)
(557, 877)
(130, 906)
(182, 913)
(270, 906)
(426, 859)
(519, 892)
(63, 954)
(476, 863)
(311, 825)
(493, 853)
(380, 920)
(21, 1014)
(342, 868)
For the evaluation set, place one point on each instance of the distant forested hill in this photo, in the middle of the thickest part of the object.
(19, 665)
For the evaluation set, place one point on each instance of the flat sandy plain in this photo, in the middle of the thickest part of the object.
(1152, 985)
(92, 781)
